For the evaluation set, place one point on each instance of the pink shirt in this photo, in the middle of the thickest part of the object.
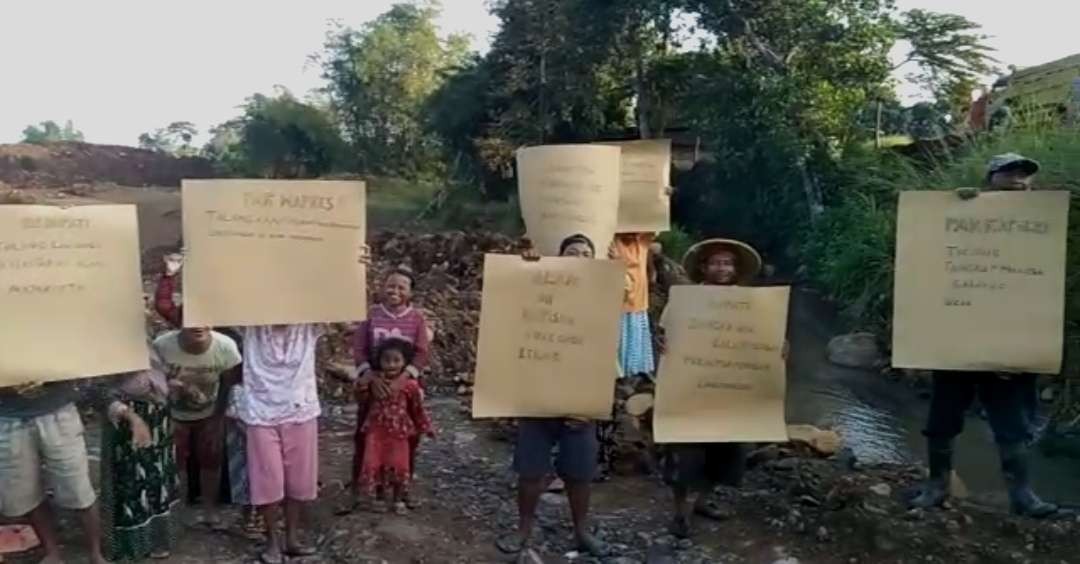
(279, 375)
(408, 325)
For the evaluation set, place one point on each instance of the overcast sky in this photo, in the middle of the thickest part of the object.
(118, 68)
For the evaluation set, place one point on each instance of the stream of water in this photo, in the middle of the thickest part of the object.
(881, 420)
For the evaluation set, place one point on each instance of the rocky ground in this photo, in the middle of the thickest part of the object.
(794, 507)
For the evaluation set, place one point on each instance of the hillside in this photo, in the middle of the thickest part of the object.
(70, 164)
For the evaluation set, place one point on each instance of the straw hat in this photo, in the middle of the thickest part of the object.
(749, 260)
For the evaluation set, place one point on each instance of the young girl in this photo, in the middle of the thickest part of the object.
(697, 468)
(393, 317)
(393, 423)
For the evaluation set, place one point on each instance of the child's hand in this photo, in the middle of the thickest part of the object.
(364, 257)
(531, 254)
(380, 388)
(661, 342)
(612, 251)
(140, 431)
(576, 422)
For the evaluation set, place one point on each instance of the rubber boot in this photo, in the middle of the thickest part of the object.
(1022, 499)
(936, 489)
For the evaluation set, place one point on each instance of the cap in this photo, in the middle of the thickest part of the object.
(1012, 161)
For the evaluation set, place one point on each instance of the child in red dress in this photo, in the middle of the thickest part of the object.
(393, 421)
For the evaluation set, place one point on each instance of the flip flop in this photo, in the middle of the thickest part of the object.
(267, 558)
(680, 527)
(511, 543)
(301, 551)
(713, 511)
(593, 546)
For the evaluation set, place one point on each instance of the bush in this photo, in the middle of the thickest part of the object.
(849, 253)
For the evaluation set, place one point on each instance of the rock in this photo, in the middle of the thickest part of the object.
(788, 560)
(529, 557)
(882, 489)
(856, 350)
(824, 442)
(952, 526)
(1048, 394)
(553, 499)
(822, 534)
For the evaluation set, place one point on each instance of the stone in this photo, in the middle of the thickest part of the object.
(824, 442)
(855, 350)
(957, 488)
(882, 489)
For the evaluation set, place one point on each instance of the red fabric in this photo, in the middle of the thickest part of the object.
(163, 301)
(409, 325)
(391, 424)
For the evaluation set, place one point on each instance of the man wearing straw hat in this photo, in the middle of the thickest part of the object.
(693, 470)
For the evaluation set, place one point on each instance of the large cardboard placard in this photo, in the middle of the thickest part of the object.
(980, 284)
(644, 206)
(567, 190)
(71, 293)
(549, 334)
(723, 378)
(262, 252)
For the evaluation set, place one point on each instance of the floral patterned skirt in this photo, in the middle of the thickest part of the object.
(140, 488)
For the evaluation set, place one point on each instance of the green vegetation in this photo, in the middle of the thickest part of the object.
(174, 138)
(849, 253)
(50, 132)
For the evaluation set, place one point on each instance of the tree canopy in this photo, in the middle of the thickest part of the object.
(49, 131)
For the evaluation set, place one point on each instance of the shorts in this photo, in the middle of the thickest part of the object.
(44, 452)
(576, 457)
(283, 462)
(704, 465)
(205, 436)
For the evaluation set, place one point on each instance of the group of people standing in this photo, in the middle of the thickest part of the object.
(254, 389)
(250, 392)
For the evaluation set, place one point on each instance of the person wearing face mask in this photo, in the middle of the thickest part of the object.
(1010, 400)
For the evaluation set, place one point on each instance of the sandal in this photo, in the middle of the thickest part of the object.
(512, 543)
(347, 508)
(593, 546)
(680, 527)
(271, 558)
(301, 551)
(714, 511)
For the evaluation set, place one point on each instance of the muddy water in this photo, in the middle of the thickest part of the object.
(881, 420)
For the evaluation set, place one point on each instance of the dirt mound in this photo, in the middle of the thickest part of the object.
(66, 164)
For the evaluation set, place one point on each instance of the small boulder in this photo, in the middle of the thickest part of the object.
(824, 442)
(857, 350)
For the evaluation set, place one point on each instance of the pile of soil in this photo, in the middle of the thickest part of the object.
(70, 164)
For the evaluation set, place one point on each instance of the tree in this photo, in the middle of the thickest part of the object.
(174, 138)
(277, 137)
(946, 48)
(50, 132)
(379, 81)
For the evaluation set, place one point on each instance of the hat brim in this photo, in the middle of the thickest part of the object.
(750, 263)
(1027, 166)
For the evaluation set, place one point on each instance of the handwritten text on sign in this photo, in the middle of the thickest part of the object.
(969, 273)
(548, 337)
(567, 190)
(264, 252)
(645, 174)
(66, 274)
(723, 377)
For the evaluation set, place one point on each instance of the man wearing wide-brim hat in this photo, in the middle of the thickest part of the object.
(692, 470)
(1010, 400)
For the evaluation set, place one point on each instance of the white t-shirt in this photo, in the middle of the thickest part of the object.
(200, 373)
(279, 375)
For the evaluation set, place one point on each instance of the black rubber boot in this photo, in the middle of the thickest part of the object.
(1022, 499)
(936, 488)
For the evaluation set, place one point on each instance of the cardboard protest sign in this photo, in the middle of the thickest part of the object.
(723, 378)
(980, 284)
(549, 334)
(262, 252)
(645, 174)
(566, 190)
(70, 293)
